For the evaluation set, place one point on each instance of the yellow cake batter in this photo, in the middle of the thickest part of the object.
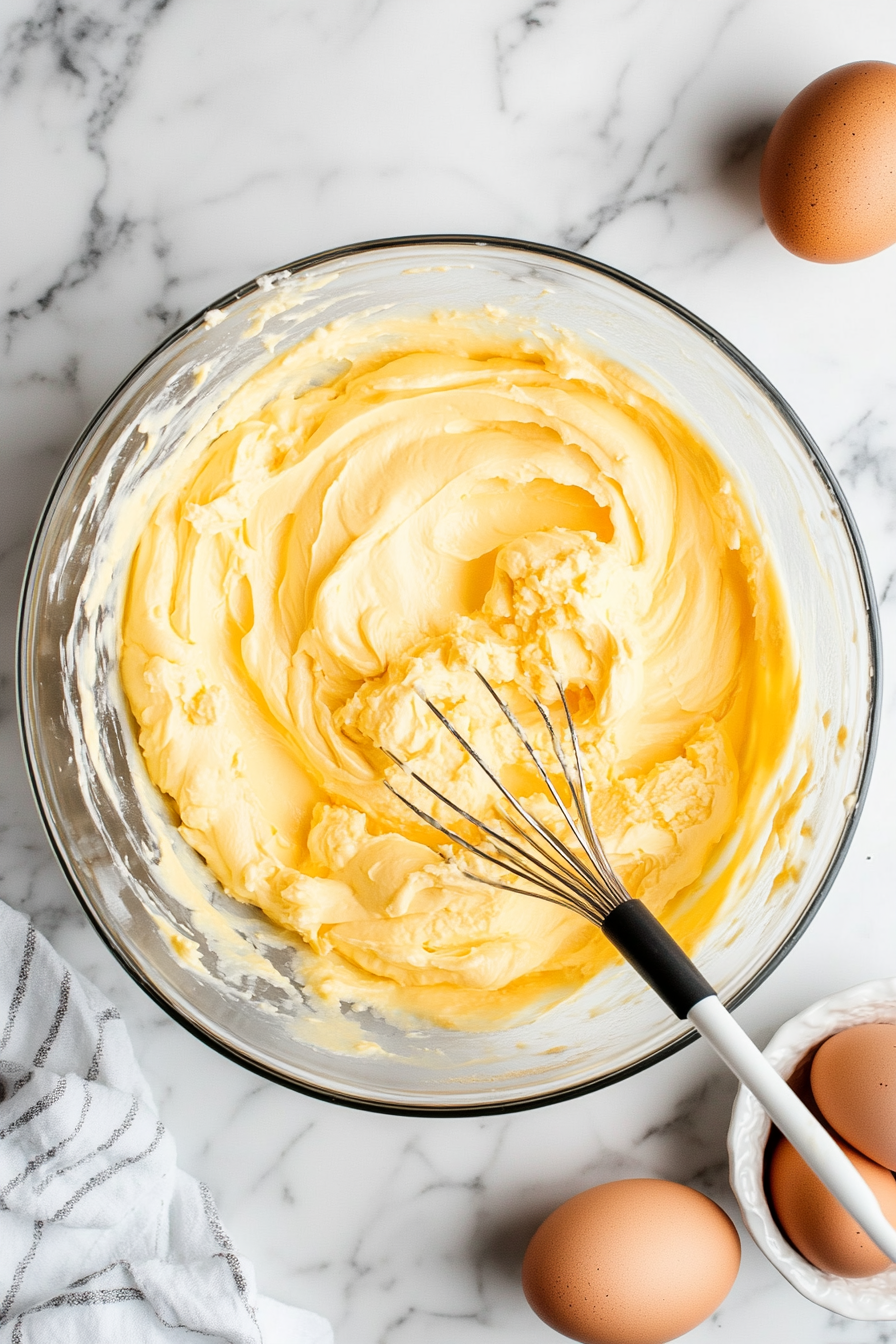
(396, 503)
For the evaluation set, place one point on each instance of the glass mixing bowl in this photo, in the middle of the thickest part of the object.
(115, 835)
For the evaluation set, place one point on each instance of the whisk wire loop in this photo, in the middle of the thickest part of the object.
(562, 851)
(582, 797)
(516, 868)
(552, 862)
(496, 836)
(545, 777)
(584, 882)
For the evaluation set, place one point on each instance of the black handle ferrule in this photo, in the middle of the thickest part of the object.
(656, 956)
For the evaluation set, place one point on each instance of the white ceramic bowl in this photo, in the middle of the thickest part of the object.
(870, 1299)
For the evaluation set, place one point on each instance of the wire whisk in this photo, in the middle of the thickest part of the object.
(577, 875)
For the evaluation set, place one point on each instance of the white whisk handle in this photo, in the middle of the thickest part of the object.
(795, 1121)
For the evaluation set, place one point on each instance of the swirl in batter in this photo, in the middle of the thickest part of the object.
(393, 504)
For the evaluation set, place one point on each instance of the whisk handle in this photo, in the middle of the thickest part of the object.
(656, 956)
(646, 945)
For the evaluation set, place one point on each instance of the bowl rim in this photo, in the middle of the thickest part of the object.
(202, 1030)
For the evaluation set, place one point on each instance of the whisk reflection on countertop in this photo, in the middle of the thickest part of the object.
(580, 877)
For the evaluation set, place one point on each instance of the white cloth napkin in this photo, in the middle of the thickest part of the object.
(102, 1238)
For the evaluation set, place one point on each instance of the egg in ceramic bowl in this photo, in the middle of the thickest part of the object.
(854, 1086)
(791, 1049)
(814, 1220)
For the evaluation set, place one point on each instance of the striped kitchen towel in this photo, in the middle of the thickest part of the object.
(102, 1238)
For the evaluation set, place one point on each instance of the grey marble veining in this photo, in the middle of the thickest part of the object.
(154, 155)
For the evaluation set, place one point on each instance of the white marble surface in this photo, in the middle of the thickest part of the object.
(154, 155)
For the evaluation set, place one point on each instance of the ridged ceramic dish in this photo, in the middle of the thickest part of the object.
(111, 829)
(871, 1299)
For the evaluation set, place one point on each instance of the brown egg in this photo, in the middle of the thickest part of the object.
(817, 1224)
(632, 1262)
(854, 1084)
(828, 179)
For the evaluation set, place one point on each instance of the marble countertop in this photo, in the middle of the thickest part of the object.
(155, 153)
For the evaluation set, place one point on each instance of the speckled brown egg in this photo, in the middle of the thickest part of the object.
(828, 180)
(854, 1085)
(631, 1262)
(817, 1224)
